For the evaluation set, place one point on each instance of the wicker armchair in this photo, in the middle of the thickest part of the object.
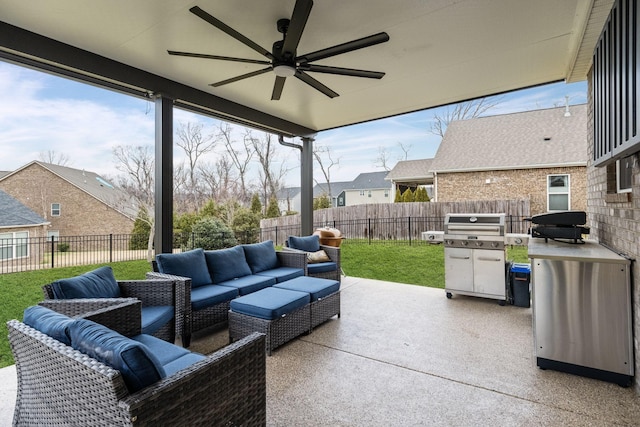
(62, 386)
(332, 252)
(216, 316)
(151, 293)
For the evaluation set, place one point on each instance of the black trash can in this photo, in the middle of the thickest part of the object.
(520, 278)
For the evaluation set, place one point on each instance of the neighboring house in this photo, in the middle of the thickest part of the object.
(411, 174)
(74, 201)
(537, 155)
(18, 224)
(369, 187)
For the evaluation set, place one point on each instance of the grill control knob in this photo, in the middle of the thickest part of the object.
(478, 243)
(449, 242)
(465, 243)
(494, 244)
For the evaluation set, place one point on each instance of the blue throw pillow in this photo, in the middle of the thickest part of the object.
(137, 365)
(49, 322)
(307, 244)
(261, 256)
(227, 264)
(190, 264)
(99, 283)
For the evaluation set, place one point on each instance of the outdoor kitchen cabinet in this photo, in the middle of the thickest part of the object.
(582, 321)
(475, 272)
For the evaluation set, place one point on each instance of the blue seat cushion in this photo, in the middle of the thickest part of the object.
(155, 317)
(270, 303)
(307, 243)
(247, 284)
(208, 296)
(182, 362)
(99, 283)
(227, 264)
(190, 264)
(322, 267)
(317, 288)
(282, 274)
(261, 256)
(137, 365)
(49, 322)
(171, 357)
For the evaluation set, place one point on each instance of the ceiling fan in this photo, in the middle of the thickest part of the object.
(283, 59)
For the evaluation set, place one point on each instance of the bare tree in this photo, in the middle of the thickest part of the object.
(240, 157)
(405, 150)
(325, 160)
(461, 111)
(272, 172)
(137, 164)
(53, 157)
(383, 159)
(195, 145)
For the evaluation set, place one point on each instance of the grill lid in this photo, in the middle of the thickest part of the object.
(488, 224)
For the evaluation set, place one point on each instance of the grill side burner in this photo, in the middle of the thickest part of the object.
(475, 255)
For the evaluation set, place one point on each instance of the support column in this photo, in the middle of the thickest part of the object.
(306, 187)
(163, 238)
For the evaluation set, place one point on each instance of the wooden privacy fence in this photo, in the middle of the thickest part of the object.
(395, 221)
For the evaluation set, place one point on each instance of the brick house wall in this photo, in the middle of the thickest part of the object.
(36, 235)
(614, 220)
(511, 184)
(80, 213)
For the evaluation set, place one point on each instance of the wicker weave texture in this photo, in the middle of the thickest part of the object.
(278, 331)
(325, 308)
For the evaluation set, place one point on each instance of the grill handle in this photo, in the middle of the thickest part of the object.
(468, 228)
(458, 257)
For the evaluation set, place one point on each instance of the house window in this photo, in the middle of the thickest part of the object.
(14, 245)
(53, 234)
(369, 193)
(55, 209)
(557, 192)
(624, 169)
(362, 192)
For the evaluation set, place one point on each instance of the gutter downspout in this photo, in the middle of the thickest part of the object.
(306, 182)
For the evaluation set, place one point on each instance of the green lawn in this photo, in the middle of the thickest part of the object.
(417, 264)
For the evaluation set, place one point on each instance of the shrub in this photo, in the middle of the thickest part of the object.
(245, 223)
(141, 229)
(63, 247)
(211, 233)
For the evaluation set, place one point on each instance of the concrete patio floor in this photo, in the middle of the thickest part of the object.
(406, 355)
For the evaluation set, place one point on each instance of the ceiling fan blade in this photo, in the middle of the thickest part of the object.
(301, 12)
(242, 77)
(230, 31)
(277, 88)
(315, 84)
(222, 58)
(341, 71)
(344, 47)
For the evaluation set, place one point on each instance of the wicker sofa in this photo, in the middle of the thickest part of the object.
(211, 279)
(58, 384)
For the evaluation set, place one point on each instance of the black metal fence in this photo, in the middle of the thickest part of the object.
(25, 254)
(398, 231)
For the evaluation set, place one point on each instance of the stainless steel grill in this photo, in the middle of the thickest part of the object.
(474, 252)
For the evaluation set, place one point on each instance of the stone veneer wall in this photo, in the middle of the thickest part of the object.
(511, 184)
(80, 215)
(615, 221)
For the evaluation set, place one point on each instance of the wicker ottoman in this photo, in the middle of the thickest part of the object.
(280, 314)
(325, 296)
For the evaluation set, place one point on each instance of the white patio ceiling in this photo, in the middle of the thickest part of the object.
(440, 51)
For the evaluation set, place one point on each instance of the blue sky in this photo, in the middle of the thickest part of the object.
(40, 112)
